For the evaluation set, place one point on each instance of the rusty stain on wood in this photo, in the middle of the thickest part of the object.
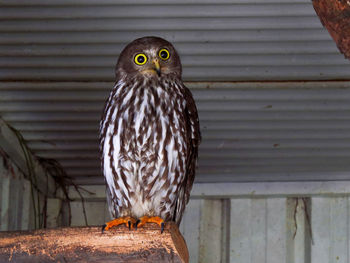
(335, 16)
(88, 244)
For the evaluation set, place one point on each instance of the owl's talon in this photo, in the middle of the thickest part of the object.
(127, 220)
(153, 219)
(136, 224)
(162, 227)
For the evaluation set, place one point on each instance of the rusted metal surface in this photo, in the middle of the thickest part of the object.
(335, 16)
(88, 244)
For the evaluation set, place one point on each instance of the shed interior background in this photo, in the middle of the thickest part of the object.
(273, 95)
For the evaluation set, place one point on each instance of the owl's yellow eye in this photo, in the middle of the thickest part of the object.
(140, 59)
(164, 54)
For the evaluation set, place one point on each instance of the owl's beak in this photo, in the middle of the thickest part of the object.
(156, 67)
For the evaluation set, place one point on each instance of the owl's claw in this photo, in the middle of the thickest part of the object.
(137, 222)
(154, 219)
(127, 220)
(162, 227)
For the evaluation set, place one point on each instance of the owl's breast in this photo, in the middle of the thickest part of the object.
(154, 126)
(152, 153)
(147, 147)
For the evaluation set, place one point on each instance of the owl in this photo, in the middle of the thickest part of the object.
(149, 137)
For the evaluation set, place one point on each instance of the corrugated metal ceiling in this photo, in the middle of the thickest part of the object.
(77, 40)
(251, 131)
(62, 53)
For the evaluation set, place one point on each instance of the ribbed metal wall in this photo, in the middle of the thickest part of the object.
(251, 131)
(71, 40)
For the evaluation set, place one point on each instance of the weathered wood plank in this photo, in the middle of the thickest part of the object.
(27, 213)
(210, 231)
(339, 235)
(330, 224)
(95, 213)
(190, 228)
(240, 231)
(321, 220)
(5, 203)
(53, 212)
(16, 211)
(298, 232)
(276, 230)
(258, 228)
(88, 244)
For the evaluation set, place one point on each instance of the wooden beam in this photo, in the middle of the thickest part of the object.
(335, 16)
(88, 244)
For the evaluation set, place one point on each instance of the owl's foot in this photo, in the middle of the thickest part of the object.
(150, 219)
(127, 220)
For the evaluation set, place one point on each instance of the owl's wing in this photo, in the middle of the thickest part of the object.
(193, 141)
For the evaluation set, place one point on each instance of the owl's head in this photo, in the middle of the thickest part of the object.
(151, 57)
